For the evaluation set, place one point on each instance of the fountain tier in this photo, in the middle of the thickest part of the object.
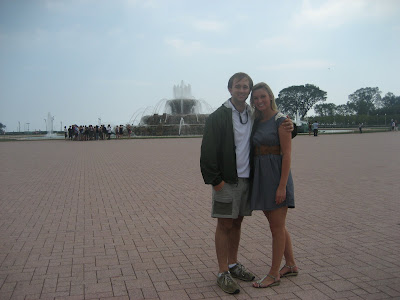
(182, 115)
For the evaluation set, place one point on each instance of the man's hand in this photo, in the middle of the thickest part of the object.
(288, 124)
(219, 187)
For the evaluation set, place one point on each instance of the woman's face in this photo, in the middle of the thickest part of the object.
(261, 100)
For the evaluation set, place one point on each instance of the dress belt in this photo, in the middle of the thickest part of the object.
(265, 150)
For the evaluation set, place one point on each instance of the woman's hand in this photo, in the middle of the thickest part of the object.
(280, 195)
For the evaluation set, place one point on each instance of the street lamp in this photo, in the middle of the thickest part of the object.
(385, 119)
(376, 119)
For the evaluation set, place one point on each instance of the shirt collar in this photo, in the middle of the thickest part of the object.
(233, 107)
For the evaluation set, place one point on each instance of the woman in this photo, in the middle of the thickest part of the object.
(272, 191)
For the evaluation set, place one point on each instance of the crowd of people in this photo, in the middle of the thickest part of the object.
(95, 133)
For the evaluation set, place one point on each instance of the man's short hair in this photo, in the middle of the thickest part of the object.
(239, 76)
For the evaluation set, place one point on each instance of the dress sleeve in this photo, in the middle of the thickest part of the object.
(279, 118)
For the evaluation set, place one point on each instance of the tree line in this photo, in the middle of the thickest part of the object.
(366, 105)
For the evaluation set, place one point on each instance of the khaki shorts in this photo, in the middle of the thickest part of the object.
(232, 201)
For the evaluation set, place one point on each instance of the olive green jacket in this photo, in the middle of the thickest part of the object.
(218, 156)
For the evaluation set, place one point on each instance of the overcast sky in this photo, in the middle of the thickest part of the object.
(82, 60)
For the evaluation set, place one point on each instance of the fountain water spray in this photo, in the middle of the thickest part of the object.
(181, 115)
(49, 126)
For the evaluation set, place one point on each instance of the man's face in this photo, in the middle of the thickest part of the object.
(240, 90)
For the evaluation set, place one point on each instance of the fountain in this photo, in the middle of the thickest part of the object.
(182, 122)
(49, 126)
(182, 115)
(302, 126)
(49, 131)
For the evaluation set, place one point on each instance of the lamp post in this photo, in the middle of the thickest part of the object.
(376, 119)
(385, 119)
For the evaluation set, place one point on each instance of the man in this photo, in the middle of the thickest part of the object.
(109, 131)
(225, 164)
(315, 127)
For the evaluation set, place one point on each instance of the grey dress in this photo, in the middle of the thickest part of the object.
(267, 168)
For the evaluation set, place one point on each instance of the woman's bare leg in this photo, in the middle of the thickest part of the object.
(276, 219)
(289, 257)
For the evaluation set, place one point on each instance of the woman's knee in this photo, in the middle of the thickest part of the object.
(277, 230)
(277, 226)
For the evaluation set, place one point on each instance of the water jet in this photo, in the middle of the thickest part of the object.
(181, 115)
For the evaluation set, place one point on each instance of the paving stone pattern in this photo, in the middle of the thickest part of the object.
(130, 219)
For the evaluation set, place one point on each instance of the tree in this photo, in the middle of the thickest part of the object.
(2, 128)
(364, 100)
(325, 109)
(391, 101)
(299, 98)
(343, 110)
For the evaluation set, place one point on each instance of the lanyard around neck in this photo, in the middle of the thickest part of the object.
(240, 117)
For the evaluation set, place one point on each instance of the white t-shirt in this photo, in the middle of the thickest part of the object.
(242, 134)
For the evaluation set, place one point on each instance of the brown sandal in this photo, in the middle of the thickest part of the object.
(259, 285)
(290, 273)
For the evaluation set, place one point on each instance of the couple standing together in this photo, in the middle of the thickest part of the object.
(245, 156)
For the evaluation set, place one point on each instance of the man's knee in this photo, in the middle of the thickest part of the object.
(228, 224)
(237, 223)
(224, 224)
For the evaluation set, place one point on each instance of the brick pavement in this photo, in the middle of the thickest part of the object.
(130, 219)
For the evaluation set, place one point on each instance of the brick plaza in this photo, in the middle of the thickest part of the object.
(130, 219)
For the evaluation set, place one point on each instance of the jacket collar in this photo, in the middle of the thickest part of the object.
(229, 105)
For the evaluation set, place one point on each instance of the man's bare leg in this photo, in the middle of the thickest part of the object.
(234, 240)
(222, 243)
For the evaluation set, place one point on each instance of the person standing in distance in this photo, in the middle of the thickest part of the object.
(315, 127)
(225, 164)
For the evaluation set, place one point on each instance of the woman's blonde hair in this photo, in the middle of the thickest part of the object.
(262, 85)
